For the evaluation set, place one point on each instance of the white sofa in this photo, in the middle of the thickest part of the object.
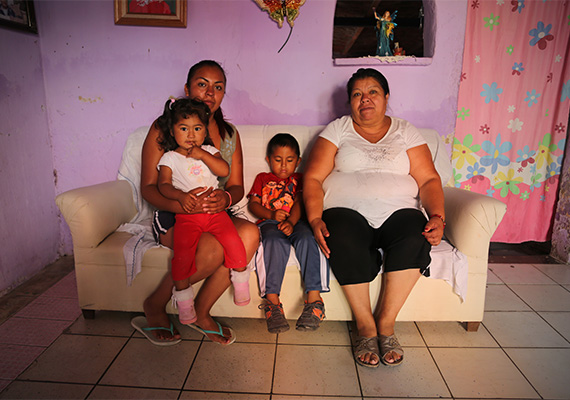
(95, 212)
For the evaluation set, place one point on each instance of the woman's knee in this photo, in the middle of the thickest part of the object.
(249, 234)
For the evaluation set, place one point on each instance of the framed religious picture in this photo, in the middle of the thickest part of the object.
(18, 14)
(150, 12)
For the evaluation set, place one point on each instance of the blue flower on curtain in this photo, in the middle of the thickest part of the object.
(541, 35)
(491, 92)
(532, 97)
(525, 156)
(490, 192)
(565, 91)
(475, 172)
(517, 5)
(517, 68)
(551, 171)
(495, 157)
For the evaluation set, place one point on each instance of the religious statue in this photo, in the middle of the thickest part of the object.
(384, 33)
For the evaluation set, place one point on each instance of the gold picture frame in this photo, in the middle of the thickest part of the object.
(151, 13)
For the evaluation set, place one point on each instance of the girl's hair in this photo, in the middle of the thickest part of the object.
(223, 126)
(282, 140)
(363, 73)
(174, 111)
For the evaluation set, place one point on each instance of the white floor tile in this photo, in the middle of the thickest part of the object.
(501, 298)
(559, 321)
(493, 279)
(239, 367)
(453, 334)
(481, 373)
(334, 333)
(546, 369)
(522, 329)
(315, 370)
(560, 273)
(417, 376)
(520, 274)
(143, 364)
(75, 359)
(191, 395)
(544, 297)
(115, 392)
(45, 390)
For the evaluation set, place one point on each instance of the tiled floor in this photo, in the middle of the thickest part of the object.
(521, 351)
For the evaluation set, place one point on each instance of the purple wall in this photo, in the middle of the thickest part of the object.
(29, 223)
(103, 80)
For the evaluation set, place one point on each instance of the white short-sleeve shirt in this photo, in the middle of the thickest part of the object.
(372, 178)
(189, 173)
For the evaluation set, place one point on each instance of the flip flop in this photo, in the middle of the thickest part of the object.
(220, 332)
(364, 345)
(141, 325)
(388, 344)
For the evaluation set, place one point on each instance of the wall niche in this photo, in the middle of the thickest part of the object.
(355, 38)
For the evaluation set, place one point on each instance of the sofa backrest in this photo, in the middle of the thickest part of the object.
(254, 140)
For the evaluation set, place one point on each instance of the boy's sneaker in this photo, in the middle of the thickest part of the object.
(311, 317)
(275, 318)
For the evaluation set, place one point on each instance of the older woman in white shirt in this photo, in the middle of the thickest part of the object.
(369, 179)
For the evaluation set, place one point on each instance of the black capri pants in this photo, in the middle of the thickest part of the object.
(354, 244)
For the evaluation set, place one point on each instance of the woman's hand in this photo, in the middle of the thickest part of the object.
(433, 231)
(321, 232)
(216, 201)
(286, 227)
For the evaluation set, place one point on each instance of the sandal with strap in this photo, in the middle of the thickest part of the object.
(366, 345)
(388, 344)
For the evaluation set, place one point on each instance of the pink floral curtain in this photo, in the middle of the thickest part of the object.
(513, 105)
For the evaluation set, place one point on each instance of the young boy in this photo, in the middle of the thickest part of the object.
(275, 198)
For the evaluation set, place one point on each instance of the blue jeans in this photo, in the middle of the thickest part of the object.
(273, 254)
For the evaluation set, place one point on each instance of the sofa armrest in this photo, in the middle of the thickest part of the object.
(94, 212)
(472, 219)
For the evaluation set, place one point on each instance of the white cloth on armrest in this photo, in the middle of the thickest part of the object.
(130, 171)
(136, 246)
(449, 264)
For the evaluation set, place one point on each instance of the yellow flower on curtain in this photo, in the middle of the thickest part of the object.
(545, 149)
(508, 183)
(463, 152)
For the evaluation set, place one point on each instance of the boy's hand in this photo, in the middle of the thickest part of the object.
(188, 202)
(286, 227)
(280, 215)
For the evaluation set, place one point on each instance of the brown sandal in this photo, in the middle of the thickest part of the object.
(388, 344)
(364, 345)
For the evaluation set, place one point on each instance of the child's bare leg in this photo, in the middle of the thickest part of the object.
(182, 284)
(273, 298)
(314, 295)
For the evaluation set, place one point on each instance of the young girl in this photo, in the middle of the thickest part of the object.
(190, 162)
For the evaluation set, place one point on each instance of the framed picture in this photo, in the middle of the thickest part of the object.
(18, 14)
(150, 12)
